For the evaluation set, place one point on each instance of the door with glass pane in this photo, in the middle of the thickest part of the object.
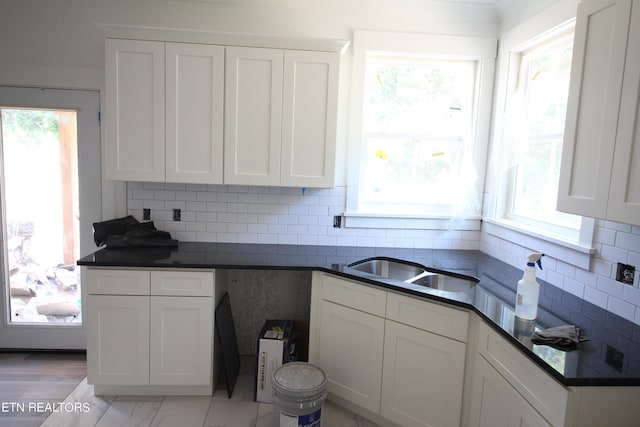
(50, 163)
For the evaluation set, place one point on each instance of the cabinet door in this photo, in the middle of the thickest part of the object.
(422, 377)
(350, 352)
(593, 106)
(194, 113)
(523, 415)
(134, 116)
(624, 199)
(181, 341)
(253, 116)
(310, 102)
(490, 397)
(117, 340)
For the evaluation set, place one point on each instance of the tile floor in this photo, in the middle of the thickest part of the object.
(191, 411)
(33, 380)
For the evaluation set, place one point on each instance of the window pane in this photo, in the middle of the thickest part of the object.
(418, 115)
(417, 95)
(544, 87)
(39, 154)
(405, 170)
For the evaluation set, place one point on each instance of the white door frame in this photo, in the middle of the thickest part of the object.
(87, 104)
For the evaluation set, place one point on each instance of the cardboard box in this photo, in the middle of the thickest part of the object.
(276, 346)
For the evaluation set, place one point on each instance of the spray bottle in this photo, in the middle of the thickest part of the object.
(529, 289)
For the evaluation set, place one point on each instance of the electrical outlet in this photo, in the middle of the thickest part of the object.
(625, 273)
(614, 358)
(337, 221)
(146, 214)
(176, 214)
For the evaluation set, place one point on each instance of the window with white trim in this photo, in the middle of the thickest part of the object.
(524, 167)
(418, 120)
(539, 107)
(533, 132)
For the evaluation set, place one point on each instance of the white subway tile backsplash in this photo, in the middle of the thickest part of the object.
(554, 278)
(610, 286)
(616, 226)
(573, 287)
(621, 308)
(195, 226)
(205, 196)
(142, 194)
(155, 205)
(631, 294)
(612, 253)
(247, 238)
(596, 297)
(187, 196)
(174, 204)
(164, 195)
(627, 241)
(268, 215)
(587, 277)
(613, 242)
(605, 235)
(565, 269)
(601, 267)
(196, 206)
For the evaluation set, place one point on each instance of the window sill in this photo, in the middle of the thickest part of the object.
(395, 221)
(572, 253)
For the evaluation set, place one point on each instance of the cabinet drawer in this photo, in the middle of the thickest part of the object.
(117, 282)
(428, 316)
(539, 389)
(354, 294)
(182, 283)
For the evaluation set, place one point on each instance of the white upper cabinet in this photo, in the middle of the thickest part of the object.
(309, 118)
(624, 198)
(280, 117)
(209, 114)
(194, 113)
(253, 115)
(600, 168)
(140, 74)
(134, 110)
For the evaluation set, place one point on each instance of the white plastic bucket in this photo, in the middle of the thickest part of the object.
(299, 389)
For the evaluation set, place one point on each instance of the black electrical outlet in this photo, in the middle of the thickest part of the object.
(337, 221)
(176, 214)
(146, 214)
(614, 358)
(625, 273)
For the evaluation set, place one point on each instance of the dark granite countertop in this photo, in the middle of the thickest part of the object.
(611, 357)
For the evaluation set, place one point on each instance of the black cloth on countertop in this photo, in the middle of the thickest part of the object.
(564, 337)
(128, 232)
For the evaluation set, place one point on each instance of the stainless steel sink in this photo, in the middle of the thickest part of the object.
(410, 272)
(391, 269)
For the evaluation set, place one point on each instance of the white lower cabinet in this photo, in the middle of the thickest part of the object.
(117, 340)
(508, 389)
(423, 376)
(380, 355)
(496, 403)
(181, 339)
(351, 353)
(142, 343)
